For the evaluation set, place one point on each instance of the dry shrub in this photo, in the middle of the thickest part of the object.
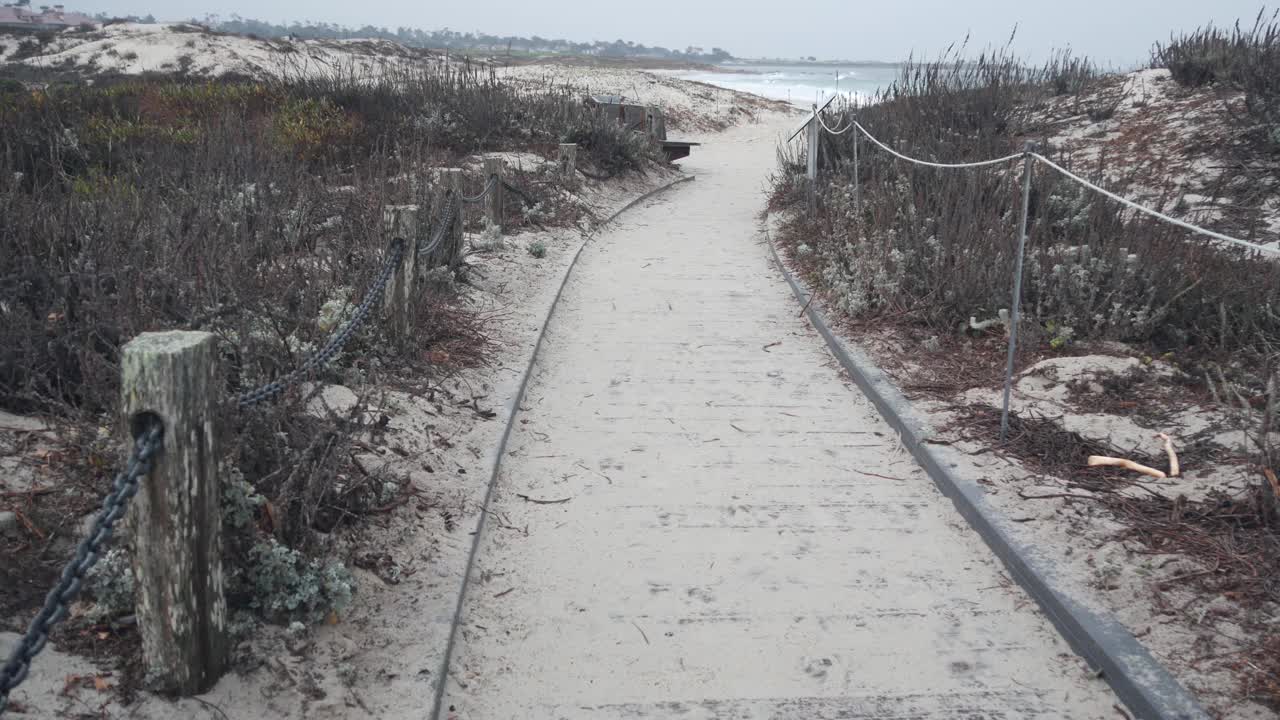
(248, 209)
(1241, 58)
(938, 246)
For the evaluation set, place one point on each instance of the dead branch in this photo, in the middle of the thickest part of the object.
(538, 501)
(1096, 460)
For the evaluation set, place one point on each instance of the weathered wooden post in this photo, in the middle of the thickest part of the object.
(495, 203)
(401, 221)
(175, 522)
(453, 246)
(449, 252)
(568, 161)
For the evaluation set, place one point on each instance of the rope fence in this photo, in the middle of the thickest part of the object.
(170, 379)
(1030, 157)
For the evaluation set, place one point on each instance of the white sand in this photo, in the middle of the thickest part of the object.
(1162, 146)
(133, 48)
(688, 106)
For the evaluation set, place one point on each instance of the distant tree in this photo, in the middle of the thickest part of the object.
(452, 39)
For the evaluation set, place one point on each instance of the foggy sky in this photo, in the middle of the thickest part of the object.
(1116, 32)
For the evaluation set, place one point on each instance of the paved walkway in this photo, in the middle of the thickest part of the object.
(741, 536)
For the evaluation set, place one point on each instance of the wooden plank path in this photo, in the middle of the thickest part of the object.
(700, 518)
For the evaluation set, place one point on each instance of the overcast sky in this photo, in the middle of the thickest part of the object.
(1114, 31)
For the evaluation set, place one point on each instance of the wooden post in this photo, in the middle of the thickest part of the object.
(453, 245)
(449, 252)
(174, 521)
(401, 221)
(495, 203)
(568, 162)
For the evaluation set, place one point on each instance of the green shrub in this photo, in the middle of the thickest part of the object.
(538, 249)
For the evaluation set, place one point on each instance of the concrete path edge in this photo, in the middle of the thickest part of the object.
(1149, 690)
(495, 459)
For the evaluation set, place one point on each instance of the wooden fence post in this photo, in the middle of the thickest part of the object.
(175, 521)
(401, 221)
(495, 203)
(452, 248)
(568, 161)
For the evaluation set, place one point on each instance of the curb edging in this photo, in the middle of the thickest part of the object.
(512, 408)
(1142, 683)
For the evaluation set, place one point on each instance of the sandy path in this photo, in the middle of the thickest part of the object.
(728, 547)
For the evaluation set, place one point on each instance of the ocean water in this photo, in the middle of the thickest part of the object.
(800, 85)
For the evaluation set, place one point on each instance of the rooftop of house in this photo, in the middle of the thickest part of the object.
(44, 17)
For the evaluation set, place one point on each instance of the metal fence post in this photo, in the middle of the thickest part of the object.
(1027, 166)
(495, 203)
(857, 181)
(401, 221)
(813, 160)
(175, 521)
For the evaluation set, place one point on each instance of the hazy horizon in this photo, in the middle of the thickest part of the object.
(1112, 33)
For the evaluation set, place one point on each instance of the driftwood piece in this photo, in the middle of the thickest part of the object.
(1096, 460)
(1174, 469)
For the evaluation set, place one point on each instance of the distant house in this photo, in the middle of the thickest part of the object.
(21, 17)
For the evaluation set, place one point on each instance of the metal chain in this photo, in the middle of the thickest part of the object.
(528, 201)
(488, 188)
(57, 602)
(453, 205)
(339, 338)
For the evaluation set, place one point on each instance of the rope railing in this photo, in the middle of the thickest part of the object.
(927, 163)
(1029, 157)
(1154, 213)
(1066, 173)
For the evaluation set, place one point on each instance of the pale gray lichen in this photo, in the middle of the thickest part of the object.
(110, 583)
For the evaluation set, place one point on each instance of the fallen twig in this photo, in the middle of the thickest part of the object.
(539, 501)
(646, 637)
(1023, 494)
(882, 477)
(26, 493)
